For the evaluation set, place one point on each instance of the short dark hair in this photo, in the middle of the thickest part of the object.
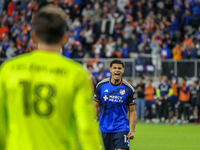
(140, 76)
(184, 78)
(151, 80)
(50, 24)
(117, 61)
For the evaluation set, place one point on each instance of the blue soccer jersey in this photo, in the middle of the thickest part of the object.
(164, 89)
(114, 100)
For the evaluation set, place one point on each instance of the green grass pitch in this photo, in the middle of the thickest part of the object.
(166, 137)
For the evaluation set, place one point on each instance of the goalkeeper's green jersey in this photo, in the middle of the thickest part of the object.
(46, 104)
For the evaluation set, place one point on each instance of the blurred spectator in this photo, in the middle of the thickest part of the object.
(89, 39)
(177, 50)
(121, 4)
(165, 52)
(140, 99)
(185, 52)
(145, 48)
(106, 72)
(5, 44)
(31, 45)
(11, 51)
(156, 42)
(198, 34)
(117, 31)
(105, 21)
(97, 13)
(133, 46)
(110, 47)
(1, 5)
(3, 30)
(192, 52)
(174, 27)
(12, 7)
(187, 17)
(187, 41)
(75, 11)
(79, 52)
(125, 51)
(88, 11)
(127, 31)
(169, 41)
(118, 46)
(159, 18)
(98, 47)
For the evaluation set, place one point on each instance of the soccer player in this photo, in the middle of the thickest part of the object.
(115, 96)
(150, 105)
(173, 99)
(184, 97)
(193, 100)
(164, 91)
(45, 98)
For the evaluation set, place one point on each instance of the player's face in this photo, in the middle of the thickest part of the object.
(194, 84)
(117, 70)
(165, 78)
(182, 82)
(149, 83)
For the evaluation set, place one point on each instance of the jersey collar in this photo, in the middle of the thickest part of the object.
(115, 84)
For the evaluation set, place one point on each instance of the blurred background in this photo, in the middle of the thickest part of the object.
(152, 36)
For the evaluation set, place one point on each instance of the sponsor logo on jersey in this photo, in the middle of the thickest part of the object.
(164, 88)
(106, 90)
(105, 97)
(122, 92)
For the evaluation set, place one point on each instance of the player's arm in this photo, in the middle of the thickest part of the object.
(170, 93)
(3, 120)
(132, 121)
(84, 112)
(96, 97)
(132, 113)
(158, 93)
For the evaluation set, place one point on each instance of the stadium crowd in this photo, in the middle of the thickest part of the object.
(179, 102)
(109, 28)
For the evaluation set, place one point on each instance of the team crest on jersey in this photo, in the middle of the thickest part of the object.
(122, 92)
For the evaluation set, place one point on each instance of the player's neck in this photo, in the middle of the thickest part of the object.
(49, 48)
(116, 82)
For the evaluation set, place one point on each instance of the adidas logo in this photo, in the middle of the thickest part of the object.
(106, 90)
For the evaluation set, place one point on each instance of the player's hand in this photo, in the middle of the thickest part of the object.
(131, 135)
(161, 98)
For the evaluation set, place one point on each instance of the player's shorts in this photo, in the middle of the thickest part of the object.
(194, 103)
(118, 140)
(173, 102)
(150, 105)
